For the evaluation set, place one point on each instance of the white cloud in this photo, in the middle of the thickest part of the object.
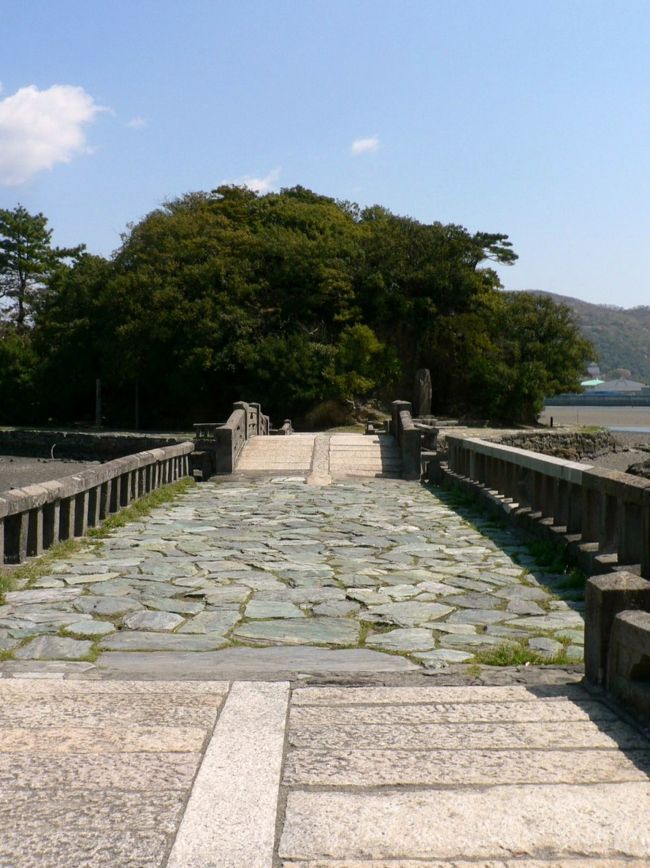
(365, 146)
(260, 185)
(40, 128)
(137, 123)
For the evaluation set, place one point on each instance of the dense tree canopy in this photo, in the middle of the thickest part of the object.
(292, 299)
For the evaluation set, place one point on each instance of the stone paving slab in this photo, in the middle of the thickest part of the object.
(433, 713)
(498, 821)
(331, 696)
(70, 739)
(82, 846)
(455, 863)
(195, 711)
(462, 767)
(575, 735)
(161, 770)
(36, 688)
(244, 663)
(231, 815)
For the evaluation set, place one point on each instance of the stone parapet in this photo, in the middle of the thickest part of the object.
(219, 444)
(35, 517)
(603, 515)
(409, 439)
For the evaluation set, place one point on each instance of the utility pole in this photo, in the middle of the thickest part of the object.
(98, 403)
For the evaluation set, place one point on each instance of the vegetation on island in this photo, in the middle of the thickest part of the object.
(621, 336)
(290, 298)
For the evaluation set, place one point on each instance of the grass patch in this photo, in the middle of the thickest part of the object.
(548, 555)
(142, 507)
(27, 574)
(510, 654)
(6, 655)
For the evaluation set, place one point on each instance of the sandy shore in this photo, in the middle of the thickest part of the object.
(16, 471)
(604, 417)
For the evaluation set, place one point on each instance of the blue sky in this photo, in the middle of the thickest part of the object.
(528, 118)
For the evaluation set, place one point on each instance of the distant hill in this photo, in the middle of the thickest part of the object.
(620, 335)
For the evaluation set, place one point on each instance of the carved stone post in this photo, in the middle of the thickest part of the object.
(422, 392)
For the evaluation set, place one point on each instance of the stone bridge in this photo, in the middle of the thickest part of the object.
(300, 663)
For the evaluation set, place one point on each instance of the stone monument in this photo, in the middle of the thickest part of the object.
(422, 393)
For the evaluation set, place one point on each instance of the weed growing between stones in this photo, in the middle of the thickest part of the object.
(511, 654)
(25, 575)
(142, 507)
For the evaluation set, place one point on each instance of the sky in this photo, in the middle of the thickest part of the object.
(524, 117)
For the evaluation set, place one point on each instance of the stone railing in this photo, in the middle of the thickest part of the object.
(603, 515)
(219, 444)
(617, 637)
(285, 429)
(38, 516)
(409, 439)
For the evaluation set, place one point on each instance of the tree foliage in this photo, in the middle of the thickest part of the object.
(27, 261)
(292, 299)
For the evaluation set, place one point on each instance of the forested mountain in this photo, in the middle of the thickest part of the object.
(292, 299)
(621, 336)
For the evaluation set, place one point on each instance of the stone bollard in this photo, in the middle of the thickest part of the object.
(606, 596)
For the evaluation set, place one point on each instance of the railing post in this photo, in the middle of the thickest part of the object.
(81, 514)
(606, 596)
(398, 407)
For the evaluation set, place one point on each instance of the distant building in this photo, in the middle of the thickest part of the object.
(628, 387)
(589, 384)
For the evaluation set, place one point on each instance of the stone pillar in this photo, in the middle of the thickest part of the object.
(606, 596)
(67, 518)
(258, 414)
(411, 455)
(242, 405)
(630, 539)
(574, 508)
(93, 506)
(396, 409)
(19, 534)
(645, 538)
(422, 392)
(609, 515)
(51, 523)
(81, 514)
(104, 499)
(590, 510)
(35, 531)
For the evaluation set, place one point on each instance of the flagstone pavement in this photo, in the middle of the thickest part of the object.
(384, 570)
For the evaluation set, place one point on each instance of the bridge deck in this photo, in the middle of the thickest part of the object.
(267, 577)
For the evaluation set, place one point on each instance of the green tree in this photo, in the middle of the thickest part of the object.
(27, 261)
(293, 299)
(18, 370)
